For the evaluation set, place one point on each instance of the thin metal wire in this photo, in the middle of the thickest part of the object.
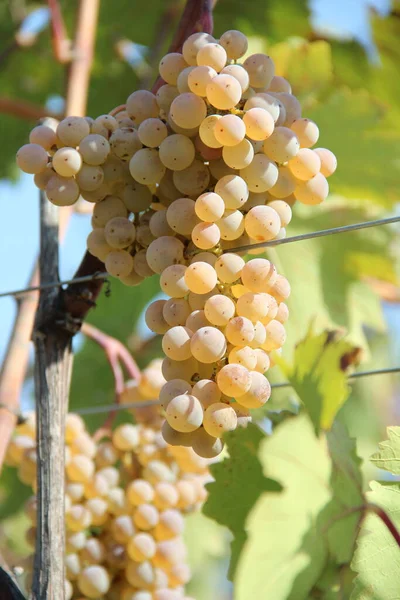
(296, 238)
(92, 410)
(51, 284)
(316, 234)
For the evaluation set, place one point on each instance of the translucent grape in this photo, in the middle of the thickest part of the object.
(234, 380)
(198, 79)
(140, 264)
(219, 309)
(94, 149)
(305, 165)
(152, 132)
(282, 145)
(283, 313)
(267, 103)
(239, 331)
(159, 225)
(175, 311)
(90, 177)
(262, 223)
(104, 125)
(314, 191)
(170, 66)
(43, 136)
(196, 320)
(181, 216)
(243, 355)
(207, 133)
(209, 207)
(184, 413)
(172, 282)
(292, 107)
(141, 546)
(163, 252)
(126, 437)
(285, 184)
(218, 419)
(176, 343)
(207, 257)
(136, 197)
(141, 105)
(72, 130)
(280, 84)
(165, 95)
(97, 245)
(328, 161)
(119, 232)
(193, 180)
(32, 158)
(307, 132)
(146, 167)
(154, 317)
(229, 130)
(109, 208)
(62, 191)
(258, 393)
(231, 225)
(258, 274)
(261, 174)
(259, 123)
(239, 73)
(239, 156)
(93, 552)
(185, 369)
(173, 388)
(219, 168)
(171, 525)
(205, 445)
(78, 518)
(206, 235)
(276, 336)
(183, 81)
(139, 491)
(229, 267)
(125, 142)
(193, 44)
(119, 263)
(208, 344)
(235, 43)
(261, 70)
(173, 437)
(188, 110)
(283, 209)
(140, 575)
(233, 191)
(94, 581)
(200, 277)
(212, 55)
(224, 92)
(177, 152)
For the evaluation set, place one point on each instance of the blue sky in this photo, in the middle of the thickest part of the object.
(19, 234)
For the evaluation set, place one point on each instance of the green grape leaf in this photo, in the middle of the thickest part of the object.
(239, 481)
(388, 456)
(319, 374)
(296, 535)
(367, 166)
(377, 557)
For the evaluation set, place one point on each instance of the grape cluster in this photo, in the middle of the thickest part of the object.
(223, 322)
(214, 160)
(126, 497)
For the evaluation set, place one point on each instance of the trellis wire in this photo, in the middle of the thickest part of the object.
(93, 410)
(296, 238)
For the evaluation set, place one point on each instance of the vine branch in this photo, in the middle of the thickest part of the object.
(61, 42)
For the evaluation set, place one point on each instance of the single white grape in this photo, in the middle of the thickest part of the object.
(206, 235)
(174, 369)
(183, 81)
(152, 132)
(263, 362)
(207, 133)
(71, 130)
(285, 185)
(233, 191)
(165, 495)
(276, 336)
(177, 152)
(198, 78)
(239, 73)
(159, 225)
(90, 177)
(328, 161)
(126, 437)
(283, 313)
(280, 84)
(170, 66)
(44, 136)
(94, 149)
(139, 491)
(200, 277)
(212, 55)
(145, 517)
(97, 245)
(108, 209)
(229, 267)
(314, 191)
(219, 418)
(141, 105)
(208, 344)
(231, 225)
(141, 546)
(154, 317)
(305, 165)
(261, 175)
(279, 288)
(32, 158)
(119, 232)
(262, 223)
(234, 380)
(235, 43)
(206, 445)
(239, 156)
(188, 110)
(140, 264)
(197, 301)
(170, 526)
(307, 132)
(207, 392)
(176, 311)
(209, 207)
(258, 274)
(136, 197)
(172, 281)
(119, 263)
(94, 581)
(256, 307)
(125, 142)
(267, 103)
(239, 331)
(208, 257)
(229, 130)
(165, 95)
(163, 252)
(193, 44)
(283, 209)
(181, 216)
(243, 355)
(196, 320)
(259, 392)
(176, 343)
(193, 180)
(184, 413)
(282, 145)
(292, 107)
(261, 70)
(62, 191)
(146, 167)
(259, 124)
(173, 388)
(219, 309)
(224, 92)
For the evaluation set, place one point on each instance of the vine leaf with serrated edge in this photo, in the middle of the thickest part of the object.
(319, 374)
(388, 456)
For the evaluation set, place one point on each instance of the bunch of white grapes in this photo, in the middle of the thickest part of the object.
(221, 325)
(214, 160)
(126, 497)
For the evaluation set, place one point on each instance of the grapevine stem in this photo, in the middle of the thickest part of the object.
(386, 520)
(61, 42)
